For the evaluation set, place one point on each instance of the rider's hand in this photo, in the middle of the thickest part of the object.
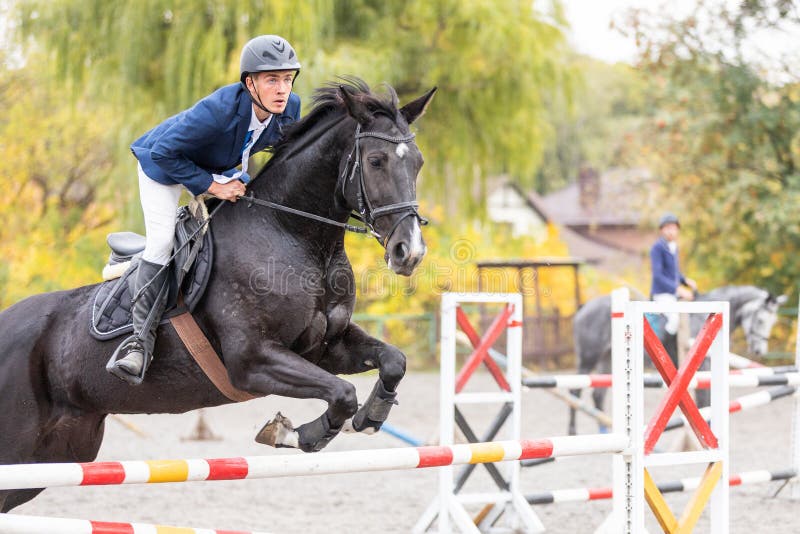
(684, 293)
(691, 283)
(230, 191)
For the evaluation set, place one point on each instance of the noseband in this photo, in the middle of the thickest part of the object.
(366, 212)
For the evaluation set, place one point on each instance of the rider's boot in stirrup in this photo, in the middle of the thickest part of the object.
(133, 356)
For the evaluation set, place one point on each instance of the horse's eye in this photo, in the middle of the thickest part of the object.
(375, 162)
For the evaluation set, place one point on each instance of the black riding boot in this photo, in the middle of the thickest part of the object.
(133, 356)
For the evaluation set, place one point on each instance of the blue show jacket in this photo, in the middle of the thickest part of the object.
(664, 265)
(207, 139)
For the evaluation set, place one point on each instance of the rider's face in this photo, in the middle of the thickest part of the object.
(670, 231)
(272, 88)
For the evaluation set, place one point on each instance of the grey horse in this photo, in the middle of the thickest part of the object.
(752, 308)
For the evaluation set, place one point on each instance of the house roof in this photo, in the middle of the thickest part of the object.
(621, 200)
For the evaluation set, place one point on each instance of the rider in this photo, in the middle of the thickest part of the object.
(668, 283)
(199, 149)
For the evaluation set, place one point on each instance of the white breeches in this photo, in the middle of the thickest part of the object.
(673, 319)
(160, 207)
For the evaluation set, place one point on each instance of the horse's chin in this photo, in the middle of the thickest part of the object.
(404, 269)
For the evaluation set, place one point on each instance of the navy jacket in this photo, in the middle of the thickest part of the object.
(664, 265)
(206, 139)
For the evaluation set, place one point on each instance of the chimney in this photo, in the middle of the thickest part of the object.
(589, 187)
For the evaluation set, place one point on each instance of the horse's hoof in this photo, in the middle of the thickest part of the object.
(347, 427)
(278, 433)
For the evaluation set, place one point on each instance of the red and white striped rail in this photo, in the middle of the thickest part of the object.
(701, 380)
(684, 484)
(745, 402)
(740, 362)
(25, 524)
(22, 476)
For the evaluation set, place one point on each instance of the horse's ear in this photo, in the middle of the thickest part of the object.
(355, 107)
(782, 299)
(414, 109)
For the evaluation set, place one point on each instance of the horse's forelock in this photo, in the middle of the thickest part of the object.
(329, 107)
(329, 98)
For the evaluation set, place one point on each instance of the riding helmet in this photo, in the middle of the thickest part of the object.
(266, 53)
(668, 218)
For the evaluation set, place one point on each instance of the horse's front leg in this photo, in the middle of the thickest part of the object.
(354, 351)
(272, 369)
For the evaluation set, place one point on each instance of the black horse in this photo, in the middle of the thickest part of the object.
(277, 307)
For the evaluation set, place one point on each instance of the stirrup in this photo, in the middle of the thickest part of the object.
(119, 354)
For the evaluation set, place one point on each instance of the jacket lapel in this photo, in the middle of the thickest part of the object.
(243, 113)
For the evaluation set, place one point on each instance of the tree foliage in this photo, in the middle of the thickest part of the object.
(59, 199)
(493, 61)
(96, 74)
(723, 134)
(590, 122)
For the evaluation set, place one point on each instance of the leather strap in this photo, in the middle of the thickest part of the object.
(206, 357)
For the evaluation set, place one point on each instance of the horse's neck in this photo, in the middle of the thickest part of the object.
(306, 180)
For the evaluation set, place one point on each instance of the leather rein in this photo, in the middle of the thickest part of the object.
(366, 212)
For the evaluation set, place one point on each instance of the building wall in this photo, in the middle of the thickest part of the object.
(505, 205)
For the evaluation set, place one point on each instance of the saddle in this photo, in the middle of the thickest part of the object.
(188, 276)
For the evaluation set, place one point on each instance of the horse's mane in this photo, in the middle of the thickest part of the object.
(739, 293)
(328, 108)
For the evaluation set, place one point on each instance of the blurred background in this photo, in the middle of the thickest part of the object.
(561, 131)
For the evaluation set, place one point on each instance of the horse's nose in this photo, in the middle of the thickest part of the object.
(400, 252)
(405, 257)
(406, 249)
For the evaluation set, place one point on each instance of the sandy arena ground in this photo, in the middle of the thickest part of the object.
(392, 501)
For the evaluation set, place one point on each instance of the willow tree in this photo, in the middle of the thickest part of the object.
(494, 63)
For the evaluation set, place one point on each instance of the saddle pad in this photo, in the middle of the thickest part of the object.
(111, 306)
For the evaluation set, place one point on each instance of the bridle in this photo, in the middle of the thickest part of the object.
(366, 212)
(751, 333)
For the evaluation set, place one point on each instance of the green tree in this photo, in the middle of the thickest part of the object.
(723, 134)
(494, 63)
(592, 121)
(98, 73)
(59, 200)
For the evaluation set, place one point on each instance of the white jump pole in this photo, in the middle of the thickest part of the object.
(49, 475)
(25, 524)
(795, 493)
(450, 506)
(628, 478)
